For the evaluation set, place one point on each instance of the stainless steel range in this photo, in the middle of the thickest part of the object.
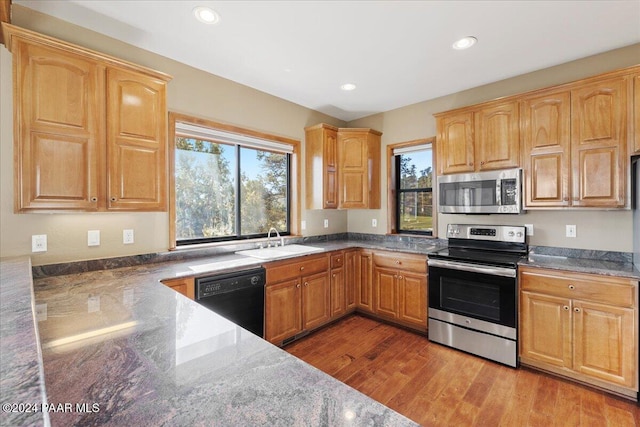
(473, 290)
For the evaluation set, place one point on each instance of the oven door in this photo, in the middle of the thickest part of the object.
(480, 292)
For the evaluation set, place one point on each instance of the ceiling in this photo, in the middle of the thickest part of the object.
(397, 52)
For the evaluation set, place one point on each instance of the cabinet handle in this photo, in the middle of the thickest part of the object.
(298, 285)
(113, 199)
(400, 277)
(334, 275)
(306, 283)
(338, 260)
(94, 199)
(572, 287)
(566, 308)
(577, 310)
(301, 268)
(398, 262)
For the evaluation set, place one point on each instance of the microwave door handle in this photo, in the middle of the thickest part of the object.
(498, 192)
(494, 271)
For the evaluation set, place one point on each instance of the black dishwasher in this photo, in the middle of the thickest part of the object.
(237, 296)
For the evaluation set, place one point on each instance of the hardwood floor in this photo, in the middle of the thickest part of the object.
(438, 386)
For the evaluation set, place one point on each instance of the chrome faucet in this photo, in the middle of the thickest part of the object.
(269, 238)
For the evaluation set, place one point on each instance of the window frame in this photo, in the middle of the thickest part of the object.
(392, 190)
(293, 183)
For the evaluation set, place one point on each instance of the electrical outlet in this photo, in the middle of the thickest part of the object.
(39, 243)
(127, 237)
(529, 228)
(303, 225)
(571, 231)
(93, 238)
(374, 222)
(326, 223)
(41, 312)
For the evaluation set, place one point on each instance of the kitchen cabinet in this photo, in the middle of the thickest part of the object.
(338, 288)
(351, 277)
(636, 114)
(297, 296)
(321, 172)
(583, 326)
(400, 287)
(478, 139)
(359, 168)
(183, 285)
(599, 142)
(364, 281)
(546, 136)
(89, 129)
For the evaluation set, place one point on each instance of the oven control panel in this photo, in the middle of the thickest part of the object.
(497, 233)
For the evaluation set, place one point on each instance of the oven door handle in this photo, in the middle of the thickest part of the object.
(473, 268)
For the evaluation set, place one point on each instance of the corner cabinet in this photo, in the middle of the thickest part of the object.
(89, 130)
(583, 326)
(359, 168)
(636, 113)
(321, 171)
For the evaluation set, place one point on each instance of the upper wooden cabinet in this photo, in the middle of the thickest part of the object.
(479, 139)
(599, 142)
(359, 168)
(636, 113)
(546, 136)
(321, 172)
(89, 130)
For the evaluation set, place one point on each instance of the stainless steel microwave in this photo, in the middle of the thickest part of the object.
(481, 193)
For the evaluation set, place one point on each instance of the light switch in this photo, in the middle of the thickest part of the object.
(326, 223)
(93, 238)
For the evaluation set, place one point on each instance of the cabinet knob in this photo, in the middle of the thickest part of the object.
(94, 199)
(334, 275)
(306, 283)
(566, 308)
(113, 199)
(400, 277)
(577, 310)
(298, 285)
(572, 287)
(398, 262)
(301, 268)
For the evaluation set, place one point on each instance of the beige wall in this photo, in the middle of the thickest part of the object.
(191, 92)
(195, 92)
(605, 230)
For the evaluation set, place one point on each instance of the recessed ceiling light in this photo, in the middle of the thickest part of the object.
(348, 86)
(206, 15)
(465, 43)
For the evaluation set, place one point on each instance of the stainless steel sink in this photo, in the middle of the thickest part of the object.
(279, 252)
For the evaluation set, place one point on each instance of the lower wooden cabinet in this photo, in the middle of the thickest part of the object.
(184, 285)
(583, 326)
(297, 296)
(364, 281)
(400, 288)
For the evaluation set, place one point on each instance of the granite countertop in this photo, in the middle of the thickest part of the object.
(603, 266)
(119, 348)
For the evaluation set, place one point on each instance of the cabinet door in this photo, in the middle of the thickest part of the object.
(283, 310)
(57, 128)
(545, 329)
(386, 291)
(599, 143)
(338, 297)
(350, 278)
(321, 167)
(316, 300)
(455, 143)
(364, 282)
(413, 298)
(136, 141)
(497, 137)
(546, 134)
(352, 152)
(605, 342)
(330, 175)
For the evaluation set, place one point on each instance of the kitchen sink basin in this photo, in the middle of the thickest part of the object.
(279, 252)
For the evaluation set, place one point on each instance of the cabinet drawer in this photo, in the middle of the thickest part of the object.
(337, 260)
(591, 287)
(288, 269)
(401, 261)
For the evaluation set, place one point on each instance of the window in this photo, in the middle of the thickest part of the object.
(228, 185)
(412, 183)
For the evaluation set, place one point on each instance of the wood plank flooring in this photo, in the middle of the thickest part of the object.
(438, 386)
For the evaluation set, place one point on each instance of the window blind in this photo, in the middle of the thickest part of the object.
(189, 130)
(411, 149)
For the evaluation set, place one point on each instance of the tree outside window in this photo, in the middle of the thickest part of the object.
(414, 182)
